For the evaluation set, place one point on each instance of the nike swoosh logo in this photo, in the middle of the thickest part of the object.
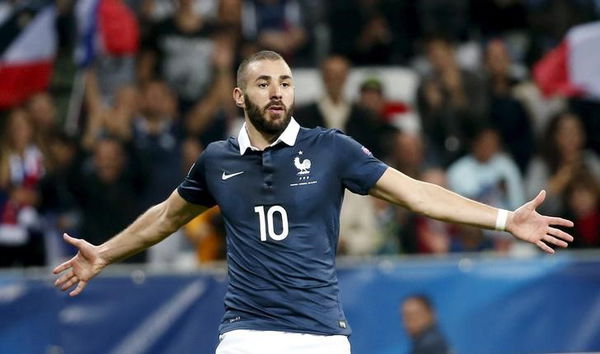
(226, 176)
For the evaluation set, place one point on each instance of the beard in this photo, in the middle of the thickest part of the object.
(264, 121)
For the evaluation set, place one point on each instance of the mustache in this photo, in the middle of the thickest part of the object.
(275, 103)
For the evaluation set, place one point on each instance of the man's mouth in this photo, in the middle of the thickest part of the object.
(276, 108)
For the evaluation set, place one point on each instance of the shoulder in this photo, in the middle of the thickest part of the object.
(330, 140)
(503, 160)
(432, 341)
(219, 148)
(465, 162)
(318, 132)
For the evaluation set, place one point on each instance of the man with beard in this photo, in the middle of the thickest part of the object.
(280, 187)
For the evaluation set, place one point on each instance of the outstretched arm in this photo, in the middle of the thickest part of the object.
(150, 228)
(441, 204)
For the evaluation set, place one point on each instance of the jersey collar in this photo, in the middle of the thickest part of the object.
(288, 137)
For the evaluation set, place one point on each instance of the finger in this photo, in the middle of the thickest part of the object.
(73, 241)
(63, 278)
(539, 199)
(79, 288)
(60, 268)
(544, 247)
(555, 241)
(69, 283)
(561, 222)
(560, 234)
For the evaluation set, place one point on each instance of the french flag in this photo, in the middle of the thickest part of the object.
(105, 27)
(28, 43)
(572, 68)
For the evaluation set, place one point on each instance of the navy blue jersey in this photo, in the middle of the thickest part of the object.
(281, 208)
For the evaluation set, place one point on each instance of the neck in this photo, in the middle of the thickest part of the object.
(336, 99)
(153, 124)
(188, 20)
(259, 139)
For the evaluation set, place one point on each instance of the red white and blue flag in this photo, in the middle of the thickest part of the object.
(105, 27)
(28, 43)
(572, 68)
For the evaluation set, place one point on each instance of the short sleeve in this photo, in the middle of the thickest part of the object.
(359, 169)
(193, 188)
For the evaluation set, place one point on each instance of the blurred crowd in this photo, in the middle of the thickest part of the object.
(478, 124)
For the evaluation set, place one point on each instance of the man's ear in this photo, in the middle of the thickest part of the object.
(238, 97)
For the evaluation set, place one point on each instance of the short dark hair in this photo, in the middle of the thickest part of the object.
(371, 84)
(262, 55)
(423, 299)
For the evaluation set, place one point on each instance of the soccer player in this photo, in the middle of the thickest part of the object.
(280, 187)
(420, 322)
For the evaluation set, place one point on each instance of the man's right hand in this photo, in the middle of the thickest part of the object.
(80, 269)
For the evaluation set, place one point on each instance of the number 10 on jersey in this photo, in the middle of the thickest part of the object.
(266, 222)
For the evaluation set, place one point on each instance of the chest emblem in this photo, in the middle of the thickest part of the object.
(303, 165)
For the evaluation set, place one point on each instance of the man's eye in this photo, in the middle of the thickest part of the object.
(262, 85)
(286, 84)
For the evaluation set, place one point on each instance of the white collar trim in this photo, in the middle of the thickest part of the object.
(288, 137)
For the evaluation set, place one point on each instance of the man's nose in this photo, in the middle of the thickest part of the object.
(276, 92)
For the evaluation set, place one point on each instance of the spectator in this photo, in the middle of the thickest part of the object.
(398, 114)
(375, 42)
(275, 25)
(409, 154)
(486, 174)
(589, 112)
(210, 117)
(21, 168)
(450, 101)
(333, 110)
(58, 205)
(359, 231)
(583, 207)
(406, 231)
(420, 323)
(561, 158)
(444, 16)
(490, 176)
(107, 193)
(507, 113)
(108, 120)
(157, 142)
(180, 50)
(380, 32)
(42, 110)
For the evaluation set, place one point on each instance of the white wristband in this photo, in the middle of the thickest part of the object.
(501, 219)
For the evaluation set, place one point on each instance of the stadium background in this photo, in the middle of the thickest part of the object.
(106, 103)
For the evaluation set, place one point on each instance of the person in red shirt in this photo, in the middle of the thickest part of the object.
(583, 206)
